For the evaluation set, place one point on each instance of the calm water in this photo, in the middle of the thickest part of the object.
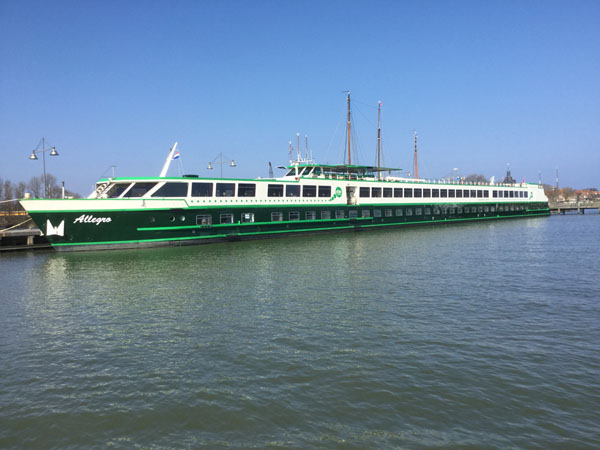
(465, 336)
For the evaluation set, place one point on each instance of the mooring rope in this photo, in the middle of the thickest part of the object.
(11, 200)
(15, 226)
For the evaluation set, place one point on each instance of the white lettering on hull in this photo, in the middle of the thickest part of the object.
(88, 218)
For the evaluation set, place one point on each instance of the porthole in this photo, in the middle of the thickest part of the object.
(182, 218)
(172, 218)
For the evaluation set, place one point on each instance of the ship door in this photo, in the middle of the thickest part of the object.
(351, 195)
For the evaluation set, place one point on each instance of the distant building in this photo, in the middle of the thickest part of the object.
(587, 195)
(508, 179)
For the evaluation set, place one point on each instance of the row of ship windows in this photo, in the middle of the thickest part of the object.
(376, 192)
(199, 189)
(206, 219)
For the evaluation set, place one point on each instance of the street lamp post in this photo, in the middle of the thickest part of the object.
(220, 162)
(43, 151)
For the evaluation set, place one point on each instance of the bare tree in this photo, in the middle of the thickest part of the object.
(476, 178)
(8, 195)
(568, 193)
(35, 187)
(54, 190)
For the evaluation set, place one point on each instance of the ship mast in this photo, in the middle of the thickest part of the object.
(416, 165)
(379, 141)
(349, 131)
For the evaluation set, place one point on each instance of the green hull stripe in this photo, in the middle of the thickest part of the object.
(222, 236)
(453, 220)
(245, 224)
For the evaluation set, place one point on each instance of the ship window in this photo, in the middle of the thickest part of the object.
(139, 189)
(376, 192)
(500, 208)
(310, 215)
(247, 190)
(339, 214)
(466, 193)
(388, 213)
(418, 211)
(408, 192)
(364, 192)
(247, 217)
(166, 190)
(512, 194)
(486, 193)
(117, 189)
(451, 193)
(324, 191)
(225, 189)
(459, 210)
(512, 207)
(365, 213)
(480, 208)
(467, 210)
(352, 214)
(325, 215)
(294, 215)
(427, 211)
(452, 210)
(486, 209)
(202, 189)
(309, 191)
(473, 193)
(505, 194)
(397, 192)
(409, 211)
(418, 192)
(500, 194)
(479, 193)
(435, 193)
(306, 171)
(276, 216)
(492, 209)
(387, 192)
(376, 213)
(205, 219)
(399, 212)
(495, 194)
(426, 193)
(436, 210)
(275, 190)
(444, 193)
(292, 190)
(459, 193)
(226, 218)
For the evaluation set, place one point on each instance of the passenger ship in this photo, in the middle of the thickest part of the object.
(309, 198)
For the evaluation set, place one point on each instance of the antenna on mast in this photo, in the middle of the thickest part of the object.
(306, 145)
(379, 140)
(416, 165)
(298, 145)
(290, 151)
(349, 131)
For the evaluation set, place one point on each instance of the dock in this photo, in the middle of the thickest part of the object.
(23, 239)
(580, 207)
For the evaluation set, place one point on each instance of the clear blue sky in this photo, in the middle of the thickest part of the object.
(483, 83)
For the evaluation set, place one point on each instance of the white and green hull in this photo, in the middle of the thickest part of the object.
(150, 220)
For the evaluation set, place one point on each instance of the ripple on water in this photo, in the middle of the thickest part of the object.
(459, 336)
